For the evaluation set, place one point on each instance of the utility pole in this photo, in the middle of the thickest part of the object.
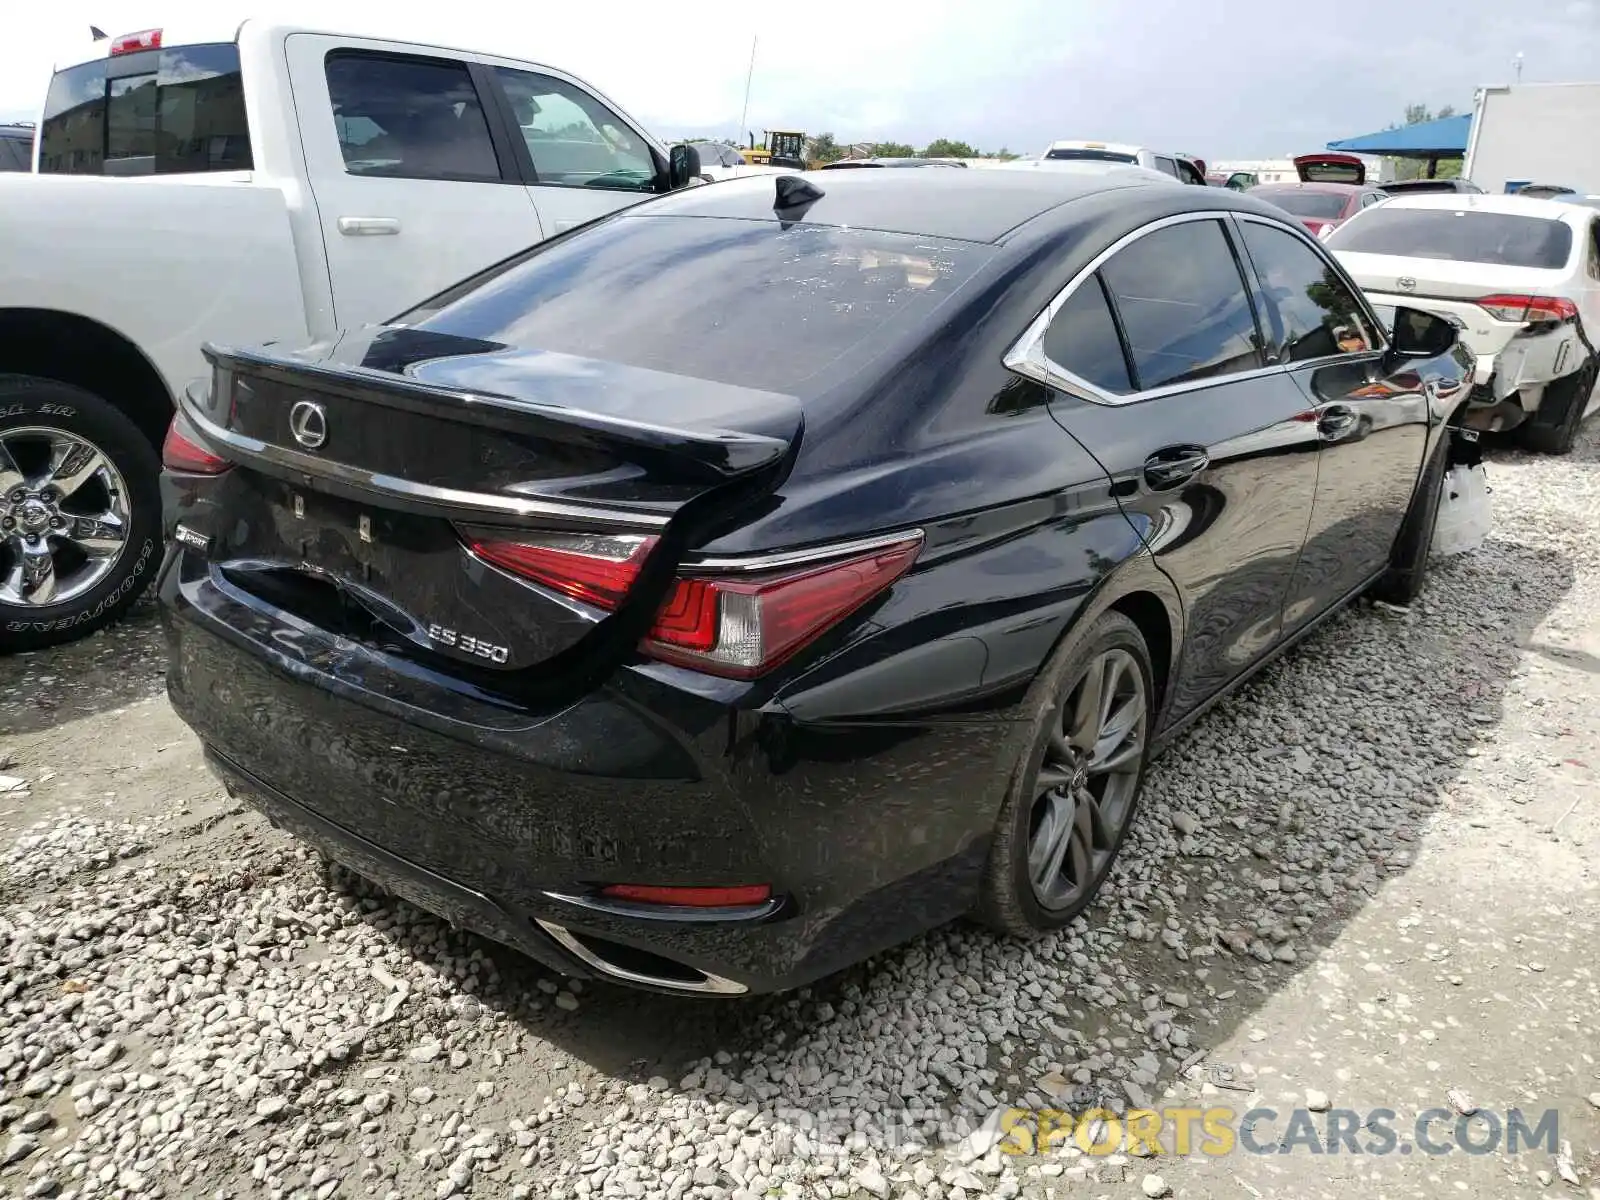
(749, 76)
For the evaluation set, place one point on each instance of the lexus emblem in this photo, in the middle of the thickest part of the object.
(1406, 284)
(308, 421)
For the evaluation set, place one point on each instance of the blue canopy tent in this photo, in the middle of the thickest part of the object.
(1432, 140)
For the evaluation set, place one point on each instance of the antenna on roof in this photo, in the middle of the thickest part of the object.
(96, 33)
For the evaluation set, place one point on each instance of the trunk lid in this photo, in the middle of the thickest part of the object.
(1330, 168)
(1451, 289)
(366, 470)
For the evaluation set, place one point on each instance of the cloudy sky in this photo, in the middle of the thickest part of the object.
(1244, 78)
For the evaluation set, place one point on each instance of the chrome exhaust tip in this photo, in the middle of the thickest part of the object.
(648, 968)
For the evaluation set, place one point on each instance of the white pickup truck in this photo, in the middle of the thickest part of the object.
(289, 182)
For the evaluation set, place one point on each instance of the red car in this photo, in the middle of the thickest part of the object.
(1332, 188)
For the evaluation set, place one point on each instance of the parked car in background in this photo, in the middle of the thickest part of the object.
(1544, 191)
(718, 160)
(1238, 181)
(1519, 277)
(1320, 207)
(850, 163)
(1329, 167)
(639, 660)
(16, 147)
(1175, 165)
(1423, 187)
(1331, 189)
(1087, 167)
(325, 181)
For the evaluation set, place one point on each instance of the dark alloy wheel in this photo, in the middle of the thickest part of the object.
(1074, 796)
(1085, 788)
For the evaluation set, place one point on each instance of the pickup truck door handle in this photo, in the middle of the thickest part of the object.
(1334, 421)
(368, 226)
(1175, 465)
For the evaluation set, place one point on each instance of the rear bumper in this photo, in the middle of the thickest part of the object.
(505, 822)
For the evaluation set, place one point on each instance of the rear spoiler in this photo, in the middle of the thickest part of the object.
(766, 428)
(726, 433)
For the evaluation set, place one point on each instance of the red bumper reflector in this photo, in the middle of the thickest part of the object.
(690, 897)
(179, 453)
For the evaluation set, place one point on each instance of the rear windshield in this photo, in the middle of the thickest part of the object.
(1091, 156)
(739, 302)
(1317, 205)
(157, 112)
(1500, 239)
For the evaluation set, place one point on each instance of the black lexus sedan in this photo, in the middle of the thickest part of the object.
(747, 581)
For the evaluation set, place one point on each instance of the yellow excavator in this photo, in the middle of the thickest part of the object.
(783, 148)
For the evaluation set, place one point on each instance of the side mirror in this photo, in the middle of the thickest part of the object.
(1419, 334)
(683, 167)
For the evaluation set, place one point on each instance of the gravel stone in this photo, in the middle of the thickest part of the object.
(231, 1017)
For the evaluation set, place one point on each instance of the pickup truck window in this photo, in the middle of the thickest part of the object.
(174, 111)
(409, 118)
(574, 139)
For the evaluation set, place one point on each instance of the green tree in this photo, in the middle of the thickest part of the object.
(948, 148)
(823, 149)
(893, 150)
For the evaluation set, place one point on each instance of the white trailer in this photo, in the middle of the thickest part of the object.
(1535, 133)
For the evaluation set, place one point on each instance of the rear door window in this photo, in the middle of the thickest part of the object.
(157, 112)
(1458, 235)
(409, 118)
(1167, 166)
(1083, 339)
(1183, 305)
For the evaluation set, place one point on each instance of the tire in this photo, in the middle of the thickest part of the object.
(1408, 561)
(1010, 901)
(112, 474)
(1564, 402)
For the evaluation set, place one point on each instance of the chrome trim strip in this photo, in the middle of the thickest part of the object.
(389, 485)
(711, 983)
(669, 912)
(1027, 357)
(781, 559)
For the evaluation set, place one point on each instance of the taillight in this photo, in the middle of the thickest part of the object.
(1528, 308)
(739, 625)
(131, 43)
(182, 454)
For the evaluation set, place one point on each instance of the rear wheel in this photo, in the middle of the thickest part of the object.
(1555, 425)
(80, 513)
(1073, 796)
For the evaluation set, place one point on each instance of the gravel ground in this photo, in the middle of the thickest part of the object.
(1368, 880)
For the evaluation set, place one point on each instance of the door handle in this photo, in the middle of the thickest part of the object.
(569, 223)
(1175, 465)
(1336, 420)
(368, 226)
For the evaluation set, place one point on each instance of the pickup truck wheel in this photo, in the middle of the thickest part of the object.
(80, 513)
(1555, 425)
